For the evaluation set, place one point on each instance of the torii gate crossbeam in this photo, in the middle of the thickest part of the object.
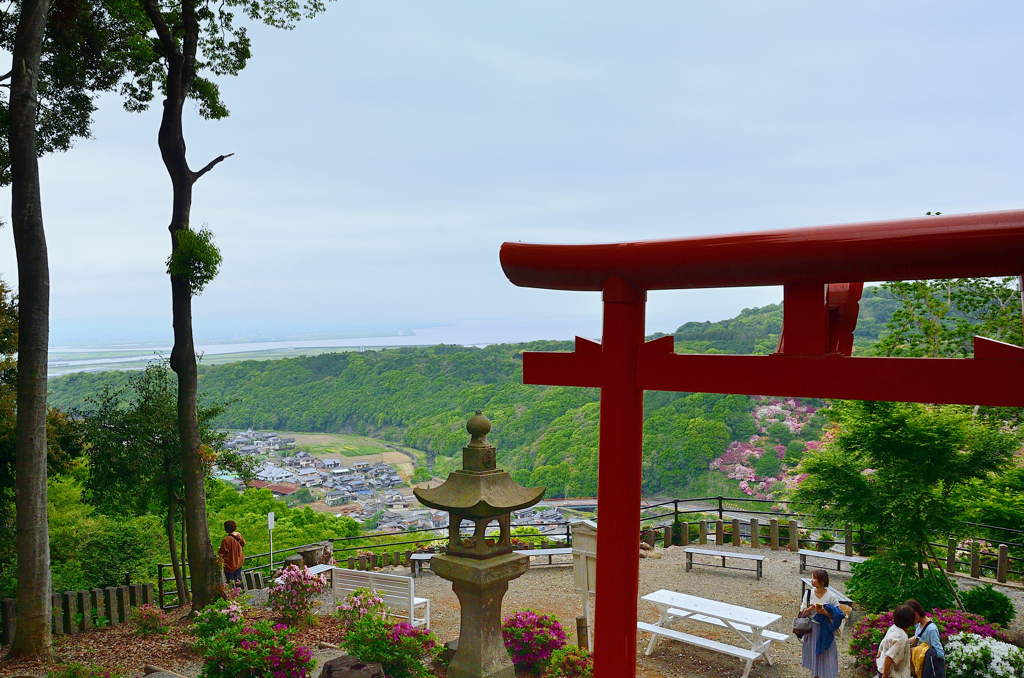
(822, 271)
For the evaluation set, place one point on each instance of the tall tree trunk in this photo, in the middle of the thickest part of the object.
(32, 637)
(181, 71)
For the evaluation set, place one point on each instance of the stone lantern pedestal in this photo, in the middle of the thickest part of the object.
(480, 586)
(481, 566)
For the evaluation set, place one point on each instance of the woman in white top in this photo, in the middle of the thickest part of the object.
(825, 665)
(893, 658)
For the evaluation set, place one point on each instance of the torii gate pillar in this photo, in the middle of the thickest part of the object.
(622, 421)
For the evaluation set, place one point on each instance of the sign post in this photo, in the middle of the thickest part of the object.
(270, 526)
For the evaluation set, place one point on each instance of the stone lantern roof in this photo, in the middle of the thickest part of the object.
(479, 490)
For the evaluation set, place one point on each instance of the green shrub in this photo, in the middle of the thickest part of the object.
(570, 662)
(677, 533)
(81, 671)
(217, 618)
(149, 620)
(995, 607)
(401, 650)
(358, 604)
(253, 649)
(881, 584)
(825, 541)
(768, 466)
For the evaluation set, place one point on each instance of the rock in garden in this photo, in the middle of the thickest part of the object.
(351, 667)
(654, 554)
(644, 546)
(643, 554)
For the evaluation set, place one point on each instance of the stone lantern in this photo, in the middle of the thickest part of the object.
(480, 567)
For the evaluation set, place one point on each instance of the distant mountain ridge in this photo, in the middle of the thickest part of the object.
(421, 397)
(756, 330)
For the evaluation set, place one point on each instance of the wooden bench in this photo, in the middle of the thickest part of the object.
(398, 592)
(723, 555)
(714, 645)
(549, 553)
(417, 561)
(838, 557)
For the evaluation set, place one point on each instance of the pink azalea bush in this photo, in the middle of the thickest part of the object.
(531, 637)
(254, 649)
(358, 604)
(295, 596)
(217, 618)
(402, 650)
(870, 629)
(739, 458)
(149, 619)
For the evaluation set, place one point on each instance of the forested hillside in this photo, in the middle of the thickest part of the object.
(422, 397)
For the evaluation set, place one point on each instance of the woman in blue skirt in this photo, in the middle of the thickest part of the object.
(819, 654)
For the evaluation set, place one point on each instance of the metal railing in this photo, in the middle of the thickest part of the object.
(719, 506)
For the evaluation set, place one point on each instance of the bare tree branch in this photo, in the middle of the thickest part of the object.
(213, 163)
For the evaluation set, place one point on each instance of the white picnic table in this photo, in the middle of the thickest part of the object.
(751, 625)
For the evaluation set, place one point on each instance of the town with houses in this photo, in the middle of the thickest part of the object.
(362, 490)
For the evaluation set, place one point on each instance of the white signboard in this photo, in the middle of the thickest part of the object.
(270, 520)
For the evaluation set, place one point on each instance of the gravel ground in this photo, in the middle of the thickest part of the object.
(550, 590)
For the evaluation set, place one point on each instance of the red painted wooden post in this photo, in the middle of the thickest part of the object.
(618, 480)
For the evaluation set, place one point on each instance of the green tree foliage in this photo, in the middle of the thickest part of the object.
(421, 397)
(768, 466)
(84, 52)
(89, 549)
(292, 526)
(939, 318)
(135, 451)
(196, 259)
(896, 469)
(63, 435)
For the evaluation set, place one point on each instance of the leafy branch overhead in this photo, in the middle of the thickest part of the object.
(86, 50)
(195, 259)
(203, 35)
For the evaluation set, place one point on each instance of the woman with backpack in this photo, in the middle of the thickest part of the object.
(925, 631)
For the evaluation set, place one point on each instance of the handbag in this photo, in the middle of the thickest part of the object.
(802, 624)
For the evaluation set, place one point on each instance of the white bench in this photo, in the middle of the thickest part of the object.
(398, 592)
(723, 555)
(714, 645)
(316, 569)
(838, 557)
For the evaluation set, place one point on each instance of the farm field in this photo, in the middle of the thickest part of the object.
(356, 448)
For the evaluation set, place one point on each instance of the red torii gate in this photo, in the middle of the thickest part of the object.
(813, 359)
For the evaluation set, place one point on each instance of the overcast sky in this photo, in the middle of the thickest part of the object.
(385, 150)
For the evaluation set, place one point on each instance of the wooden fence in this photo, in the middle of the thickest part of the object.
(79, 611)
